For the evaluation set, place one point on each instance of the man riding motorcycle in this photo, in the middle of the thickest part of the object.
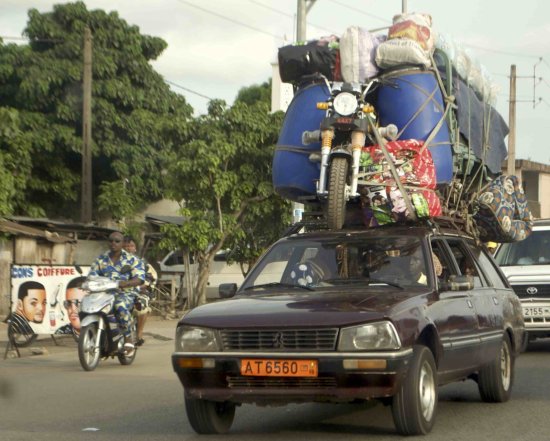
(111, 264)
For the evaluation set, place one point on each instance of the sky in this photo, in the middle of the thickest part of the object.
(217, 47)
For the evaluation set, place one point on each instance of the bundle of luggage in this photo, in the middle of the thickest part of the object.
(411, 61)
(382, 201)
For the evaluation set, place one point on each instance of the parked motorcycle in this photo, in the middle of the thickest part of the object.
(348, 121)
(100, 335)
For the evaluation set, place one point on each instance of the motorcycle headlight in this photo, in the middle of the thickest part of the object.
(373, 336)
(194, 339)
(345, 103)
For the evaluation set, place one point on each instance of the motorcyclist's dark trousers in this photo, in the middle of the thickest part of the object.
(123, 311)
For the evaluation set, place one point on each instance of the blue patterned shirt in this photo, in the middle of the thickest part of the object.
(104, 266)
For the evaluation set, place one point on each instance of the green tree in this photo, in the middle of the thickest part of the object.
(14, 160)
(137, 120)
(224, 177)
(257, 93)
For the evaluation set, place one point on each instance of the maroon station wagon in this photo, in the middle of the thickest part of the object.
(389, 313)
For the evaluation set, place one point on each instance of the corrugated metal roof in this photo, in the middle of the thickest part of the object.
(17, 229)
(160, 220)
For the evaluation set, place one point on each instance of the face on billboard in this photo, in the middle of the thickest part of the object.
(72, 305)
(33, 305)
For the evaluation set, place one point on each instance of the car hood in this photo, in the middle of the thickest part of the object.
(527, 273)
(319, 308)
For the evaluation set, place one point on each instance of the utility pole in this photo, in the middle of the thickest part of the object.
(86, 195)
(301, 35)
(303, 8)
(511, 166)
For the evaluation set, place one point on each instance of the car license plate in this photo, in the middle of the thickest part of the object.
(536, 311)
(279, 368)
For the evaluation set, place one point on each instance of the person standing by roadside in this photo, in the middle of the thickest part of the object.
(143, 309)
(111, 264)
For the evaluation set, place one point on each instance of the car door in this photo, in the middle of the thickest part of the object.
(483, 295)
(500, 304)
(455, 318)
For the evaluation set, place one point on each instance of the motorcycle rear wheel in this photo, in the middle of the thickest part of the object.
(88, 352)
(336, 199)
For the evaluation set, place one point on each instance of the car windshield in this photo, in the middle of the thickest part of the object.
(397, 262)
(535, 250)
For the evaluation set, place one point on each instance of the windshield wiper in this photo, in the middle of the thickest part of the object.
(396, 285)
(359, 280)
(279, 285)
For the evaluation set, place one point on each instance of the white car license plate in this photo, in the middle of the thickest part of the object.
(536, 311)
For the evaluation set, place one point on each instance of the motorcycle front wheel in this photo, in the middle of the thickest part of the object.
(127, 359)
(336, 199)
(88, 352)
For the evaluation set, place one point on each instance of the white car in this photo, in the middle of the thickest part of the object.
(526, 264)
(172, 269)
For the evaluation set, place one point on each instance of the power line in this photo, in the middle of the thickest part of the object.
(286, 14)
(360, 11)
(32, 40)
(188, 90)
(223, 17)
(513, 54)
(5, 37)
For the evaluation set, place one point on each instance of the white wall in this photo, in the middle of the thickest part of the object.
(544, 195)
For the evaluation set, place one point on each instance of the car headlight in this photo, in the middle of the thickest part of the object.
(194, 339)
(345, 103)
(373, 336)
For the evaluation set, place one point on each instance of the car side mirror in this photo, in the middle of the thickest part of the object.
(227, 290)
(459, 283)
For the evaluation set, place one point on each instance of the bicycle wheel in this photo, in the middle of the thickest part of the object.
(21, 335)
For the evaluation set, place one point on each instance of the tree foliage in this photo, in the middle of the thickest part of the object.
(224, 177)
(255, 94)
(137, 120)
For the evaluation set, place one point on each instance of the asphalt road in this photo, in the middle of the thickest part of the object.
(49, 397)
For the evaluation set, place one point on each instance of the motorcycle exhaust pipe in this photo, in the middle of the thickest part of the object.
(311, 136)
(389, 132)
(357, 143)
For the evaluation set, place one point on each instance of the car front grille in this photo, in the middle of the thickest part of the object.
(281, 382)
(280, 340)
(537, 321)
(528, 291)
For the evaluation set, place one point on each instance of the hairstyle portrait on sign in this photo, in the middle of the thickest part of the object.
(31, 301)
(73, 298)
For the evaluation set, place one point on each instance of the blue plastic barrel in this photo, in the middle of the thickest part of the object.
(294, 175)
(412, 100)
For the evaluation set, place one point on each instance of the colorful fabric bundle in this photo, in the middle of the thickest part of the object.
(383, 201)
(503, 214)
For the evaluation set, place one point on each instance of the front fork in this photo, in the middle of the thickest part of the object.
(357, 142)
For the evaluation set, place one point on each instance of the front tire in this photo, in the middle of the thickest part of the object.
(336, 199)
(209, 417)
(496, 379)
(525, 342)
(127, 359)
(88, 352)
(415, 405)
